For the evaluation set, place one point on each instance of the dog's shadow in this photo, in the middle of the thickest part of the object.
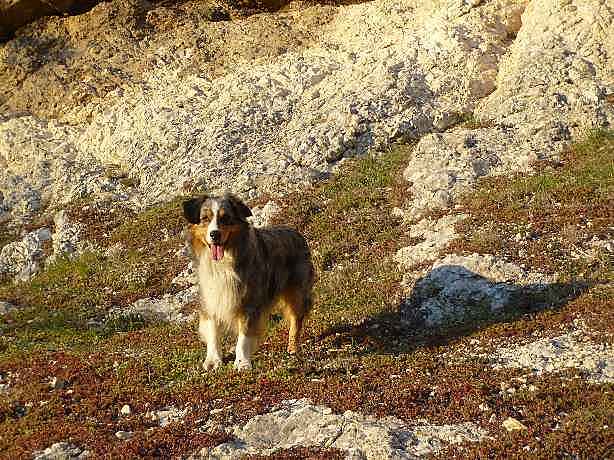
(448, 303)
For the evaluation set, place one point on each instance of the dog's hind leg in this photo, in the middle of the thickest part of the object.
(208, 330)
(297, 305)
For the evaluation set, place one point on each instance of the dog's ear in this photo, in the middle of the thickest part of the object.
(241, 208)
(191, 209)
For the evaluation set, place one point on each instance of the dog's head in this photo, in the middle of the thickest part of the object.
(216, 221)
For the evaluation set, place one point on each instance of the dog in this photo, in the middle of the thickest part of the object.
(243, 273)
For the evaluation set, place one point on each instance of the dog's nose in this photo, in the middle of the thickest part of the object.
(215, 235)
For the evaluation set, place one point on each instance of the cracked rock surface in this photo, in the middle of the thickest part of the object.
(571, 350)
(300, 423)
(373, 73)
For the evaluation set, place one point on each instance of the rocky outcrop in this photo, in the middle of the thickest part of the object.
(298, 423)
(574, 349)
(554, 84)
(377, 72)
(457, 288)
(22, 259)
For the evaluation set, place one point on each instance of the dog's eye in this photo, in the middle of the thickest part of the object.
(206, 215)
(224, 220)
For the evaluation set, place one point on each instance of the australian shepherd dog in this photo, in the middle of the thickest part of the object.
(243, 272)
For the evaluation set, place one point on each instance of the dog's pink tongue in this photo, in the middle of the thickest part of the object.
(217, 251)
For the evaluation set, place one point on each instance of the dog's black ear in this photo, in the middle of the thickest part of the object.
(191, 209)
(241, 208)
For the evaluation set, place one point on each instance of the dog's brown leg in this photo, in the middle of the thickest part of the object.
(294, 336)
(296, 307)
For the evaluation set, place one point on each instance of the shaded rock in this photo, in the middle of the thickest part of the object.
(65, 239)
(21, 259)
(6, 307)
(58, 383)
(459, 287)
(298, 423)
(572, 350)
(62, 451)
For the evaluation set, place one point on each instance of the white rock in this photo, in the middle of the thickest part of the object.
(21, 259)
(457, 287)
(299, 423)
(65, 238)
(571, 350)
(262, 216)
(436, 235)
(124, 435)
(61, 451)
(168, 415)
(167, 308)
(551, 88)
(125, 410)
(376, 72)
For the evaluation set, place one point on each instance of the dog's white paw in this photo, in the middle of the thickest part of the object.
(243, 365)
(212, 363)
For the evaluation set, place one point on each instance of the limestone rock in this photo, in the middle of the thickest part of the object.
(168, 415)
(511, 424)
(299, 423)
(436, 234)
(124, 435)
(574, 349)
(377, 72)
(457, 287)
(551, 87)
(262, 215)
(21, 259)
(62, 451)
(125, 410)
(169, 307)
(65, 239)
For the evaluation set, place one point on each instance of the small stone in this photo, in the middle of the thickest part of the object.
(125, 410)
(124, 435)
(57, 383)
(484, 407)
(6, 307)
(511, 424)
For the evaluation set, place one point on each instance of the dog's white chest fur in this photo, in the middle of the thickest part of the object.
(219, 288)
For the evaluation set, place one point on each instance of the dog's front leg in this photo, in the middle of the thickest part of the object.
(208, 329)
(246, 346)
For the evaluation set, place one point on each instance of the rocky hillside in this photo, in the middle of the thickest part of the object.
(451, 163)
